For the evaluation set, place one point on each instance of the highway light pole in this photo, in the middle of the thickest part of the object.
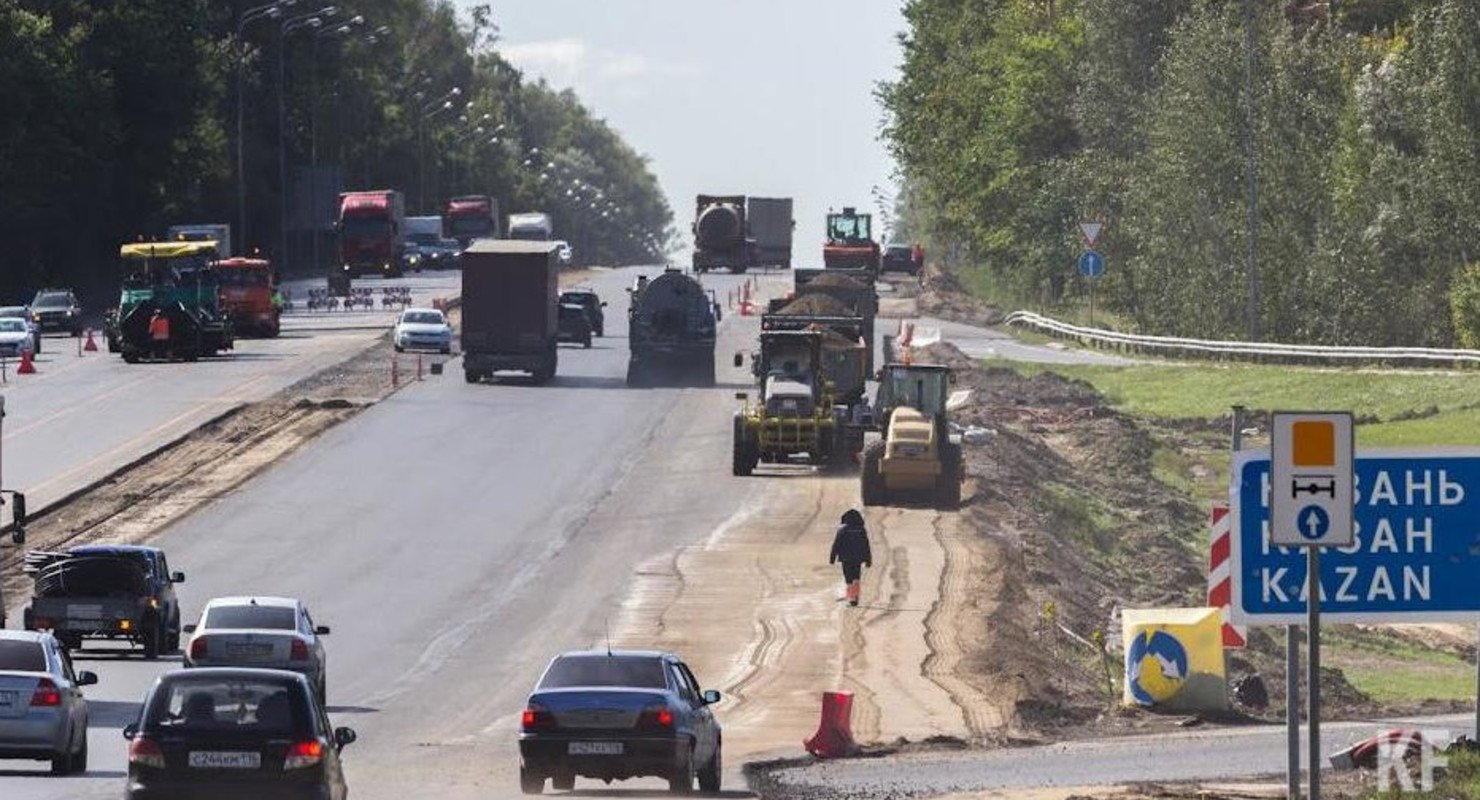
(432, 109)
(265, 11)
(315, 230)
(310, 21)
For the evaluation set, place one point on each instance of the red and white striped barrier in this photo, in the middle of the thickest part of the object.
(1220, 575)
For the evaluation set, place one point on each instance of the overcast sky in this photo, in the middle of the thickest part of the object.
(762, 97)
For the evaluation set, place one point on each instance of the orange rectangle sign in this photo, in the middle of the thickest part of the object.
(1313, 444)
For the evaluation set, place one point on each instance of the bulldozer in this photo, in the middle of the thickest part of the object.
(796, 414)
(916, 459)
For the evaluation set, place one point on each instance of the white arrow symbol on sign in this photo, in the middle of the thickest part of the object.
(1091, 231)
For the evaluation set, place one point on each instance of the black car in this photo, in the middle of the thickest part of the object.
(234, 734)
(105, 592)
(574, 325)
(57, 310)
(614, 715)
(899, 257)
(588, 300)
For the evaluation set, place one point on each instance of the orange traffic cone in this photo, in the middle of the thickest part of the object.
(27, 367)
(90, 345)
(834, 737)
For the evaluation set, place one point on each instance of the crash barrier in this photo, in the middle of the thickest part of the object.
(1174, 659)
(834, 737)
(1270, 352)
(363, 299)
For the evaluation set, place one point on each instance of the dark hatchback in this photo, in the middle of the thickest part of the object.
(229, 734)
(57, 310)
(899, 257)
(619, 715)
(574, 325)
(592, 304)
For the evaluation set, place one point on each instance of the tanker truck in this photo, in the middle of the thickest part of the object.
(671, 332)
(722, 234)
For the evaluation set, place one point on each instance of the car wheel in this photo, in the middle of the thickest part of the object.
(709, 777)
(400, 349)
(447, 351)
(682, 779)
(323, 687)
(586, 343)
(563, 783)
(531, 782)
(153, 638)
(470, 376)
(79, 760)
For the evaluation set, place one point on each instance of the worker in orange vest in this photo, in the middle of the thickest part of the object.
(917, 255)
(159, 332)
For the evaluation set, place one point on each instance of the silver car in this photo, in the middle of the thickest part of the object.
(263, 632)
(24, 314)
(43, 715)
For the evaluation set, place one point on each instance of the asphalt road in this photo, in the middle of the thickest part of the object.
(81, 417)
(1208, 755)
(456, 537)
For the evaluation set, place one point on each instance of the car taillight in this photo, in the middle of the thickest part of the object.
(535, 718)
(656, 717)
(197, 648)
(304, 754)
(145, 753)
(300, 650)
(46, 694)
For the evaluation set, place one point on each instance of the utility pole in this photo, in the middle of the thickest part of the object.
(1251, 276)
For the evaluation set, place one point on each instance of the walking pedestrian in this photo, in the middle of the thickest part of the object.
(850, 546)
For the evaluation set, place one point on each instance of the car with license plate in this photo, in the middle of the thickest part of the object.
(899, 256)
(105, 592)
(16, 338)
(43, 714)
(24, 314)
(592, 303)
(234, 734)
(57, 310)
(619, 714)
(422, 329)
(265, 632)
(573, 326)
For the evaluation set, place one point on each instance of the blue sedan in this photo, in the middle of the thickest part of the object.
(614, 715)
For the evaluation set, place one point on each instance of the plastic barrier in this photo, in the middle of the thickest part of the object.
(1174, 659)
(834, 737)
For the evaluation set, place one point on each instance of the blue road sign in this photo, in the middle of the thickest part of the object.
(1415, 558)
(1091, 264)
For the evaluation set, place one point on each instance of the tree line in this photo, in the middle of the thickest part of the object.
(120, 119)
(1012, 120)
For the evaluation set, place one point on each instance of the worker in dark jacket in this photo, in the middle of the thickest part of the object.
(850, 546)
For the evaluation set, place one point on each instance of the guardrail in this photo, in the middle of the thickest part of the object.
(1262, 352)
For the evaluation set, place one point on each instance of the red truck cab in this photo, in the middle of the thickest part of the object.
(247, 295)
(372, 233)
(470, 217)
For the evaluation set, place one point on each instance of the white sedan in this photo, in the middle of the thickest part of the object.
(266, 632)
(16, 338)
(423, 329)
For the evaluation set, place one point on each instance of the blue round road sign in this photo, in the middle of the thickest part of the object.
(1091, 264)
(1314, 522)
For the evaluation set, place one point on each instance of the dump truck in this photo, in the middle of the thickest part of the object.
(671, 324)
(850, 243)
(472, 216)
(247, 291)
(917, 457)
(510, 308)
(796, 414)
(177, 280)
(105, 592)
(372, 236)
(854, 292)
(722, 234)
(771, 228)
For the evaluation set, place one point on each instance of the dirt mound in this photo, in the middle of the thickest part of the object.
(834, 280)
(816, 305)
(941, 295)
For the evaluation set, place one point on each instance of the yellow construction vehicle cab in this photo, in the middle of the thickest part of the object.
(916, 458)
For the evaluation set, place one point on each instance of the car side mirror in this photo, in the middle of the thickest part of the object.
(322, 630)
(188, 628)
(718, 315)
(711, 696)
(130, 731)
(177, 577)
(85, 678)
(344, 737)
(603, 304)
(739, 360)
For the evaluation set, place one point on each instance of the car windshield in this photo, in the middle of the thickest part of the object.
(919, 389)
(22, 657)
(243, 277)
(12, 325)
(422, 317)
(52, 300)
(423, 238)
(469, 226)
(362, 228)
(578, 298)
(14, 311)
(227, 705)
(638, 672)
(277, 618)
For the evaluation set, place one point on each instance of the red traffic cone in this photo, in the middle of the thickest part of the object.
(90, 345)
(834, 737)
(27, 367)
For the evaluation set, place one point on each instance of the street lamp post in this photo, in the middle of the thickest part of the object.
(311, 20)
(266, 11)
(443, 103)
(313, 134)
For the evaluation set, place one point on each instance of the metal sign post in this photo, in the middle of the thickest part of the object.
(1091, 266)
(1310, 498)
